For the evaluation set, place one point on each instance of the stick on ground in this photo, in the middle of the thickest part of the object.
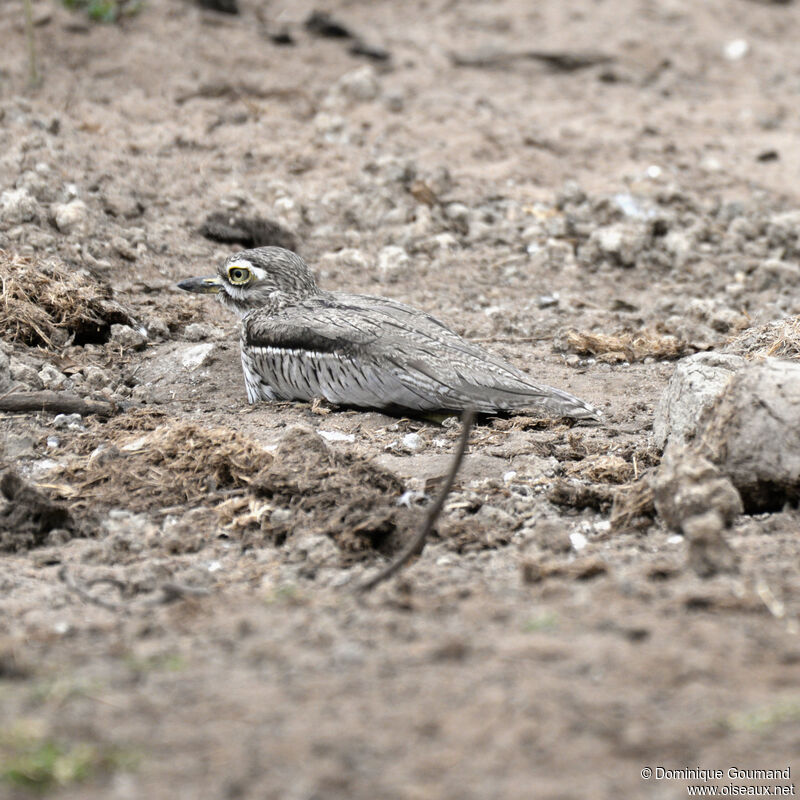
(55, 403)
(416, 545)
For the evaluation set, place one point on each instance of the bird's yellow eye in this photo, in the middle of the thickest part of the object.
(238, 275)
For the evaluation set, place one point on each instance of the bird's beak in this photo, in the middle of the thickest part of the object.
(212, 285)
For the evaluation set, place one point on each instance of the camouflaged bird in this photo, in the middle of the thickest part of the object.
(300, 343)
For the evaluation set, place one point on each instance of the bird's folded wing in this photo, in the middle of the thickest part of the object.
(381, 355)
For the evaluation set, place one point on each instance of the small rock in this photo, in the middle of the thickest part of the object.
(157, 329)
(620, 243)
(72, 217)
(736, 49)
(96, 378)
(360, 85)
(122, 248)
(197, 356)
(128, 338)
(35, 184)
(314, 549)
(693, 388)
(578, 541)
(68, 422)
(18, 446)
(24, 373)
(198, 332)
(337, 436)
(121, 204)
(458, 214)
(395, 101)
(51, 378)
(17, 206)
(392, 263)
(413, 442)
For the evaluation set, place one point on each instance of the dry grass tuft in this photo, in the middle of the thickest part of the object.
(634, 506)
(780, 339)
(46, 303)
(170, 465)
(602, 469)
(627, 346)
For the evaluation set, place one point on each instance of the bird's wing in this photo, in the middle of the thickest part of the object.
(370, 351)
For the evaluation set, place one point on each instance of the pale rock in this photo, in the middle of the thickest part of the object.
(18, 206)
(393, 262)
(52, 378)
(72, 217)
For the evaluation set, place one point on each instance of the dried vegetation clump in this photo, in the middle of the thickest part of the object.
(169, 465)
(28, 516)
(144, 463)
(780, 339)
(46, 303)
(629, 347)
(341, 495)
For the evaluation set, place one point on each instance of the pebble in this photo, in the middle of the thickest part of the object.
(127, 337)
(69, 422)
(395, 101)
(337, 436)
(72, 217)
(51, 378)
(458, 214)
(157, 328)
(197, 356)
(578, 541)
(736, 49)
(548, 300)
(96, 378)
(198, 331)
(25, 374)
(17, 206)
(413, 442)
(123, 248)
(360, 85)
(393, 262)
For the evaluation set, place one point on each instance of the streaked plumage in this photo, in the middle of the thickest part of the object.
(299, 343)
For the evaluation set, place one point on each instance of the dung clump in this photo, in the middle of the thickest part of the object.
(169, 465)
(342, 495)
(46, 303)
(28, 517)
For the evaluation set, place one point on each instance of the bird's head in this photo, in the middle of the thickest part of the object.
(253, 278)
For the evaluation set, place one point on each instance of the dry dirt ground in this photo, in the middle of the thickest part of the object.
(535, 174)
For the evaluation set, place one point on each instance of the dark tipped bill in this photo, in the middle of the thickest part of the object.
(212, 285)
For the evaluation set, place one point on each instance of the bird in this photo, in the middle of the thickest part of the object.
(299, 342)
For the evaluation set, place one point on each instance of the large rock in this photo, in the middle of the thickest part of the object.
(694, 387)
(753, 433)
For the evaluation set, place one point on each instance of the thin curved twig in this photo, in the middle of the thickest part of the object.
(416, 545)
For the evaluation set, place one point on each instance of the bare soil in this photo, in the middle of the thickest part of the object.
(592, 189)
